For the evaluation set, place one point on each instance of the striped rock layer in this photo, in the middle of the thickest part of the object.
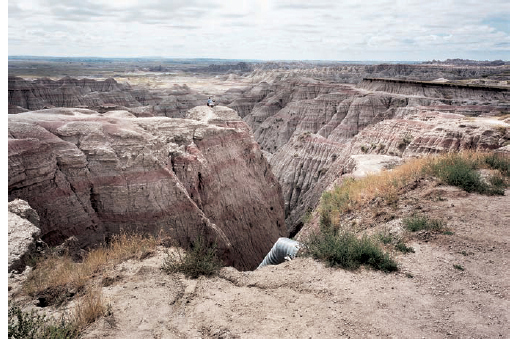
(94, 175)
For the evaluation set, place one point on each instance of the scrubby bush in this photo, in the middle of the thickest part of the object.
(458, 267)
(198, 260)
(461, 170)
(32, 325)
(418, 222)
(456, 171)
(91, 307)
(498, 162)
(402, 247)
(385, 237)
(343, 249)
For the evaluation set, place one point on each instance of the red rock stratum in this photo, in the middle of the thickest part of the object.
(93, 175)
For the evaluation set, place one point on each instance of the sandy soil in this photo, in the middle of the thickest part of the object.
(427, 298)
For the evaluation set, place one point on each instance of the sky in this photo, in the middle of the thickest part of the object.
(264, 30)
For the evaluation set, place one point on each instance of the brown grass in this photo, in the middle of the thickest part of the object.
(388, 184)
(56, 279)
(54, 273)
(89, 308)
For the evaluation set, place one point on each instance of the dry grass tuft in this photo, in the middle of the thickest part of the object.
(56, 279)
(134, 246)
(60, 273)
(388, 185)
(54, 276)
(89, 308)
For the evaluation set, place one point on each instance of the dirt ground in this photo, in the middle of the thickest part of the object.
(427, 298)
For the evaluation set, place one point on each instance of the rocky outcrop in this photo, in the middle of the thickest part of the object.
(102, 96)
(92, 175)
(422, 131)
(22, 235)
(305, 166)
(436, 90)
(311, 133)
(176, 105)
(354, 73)
(68, 92)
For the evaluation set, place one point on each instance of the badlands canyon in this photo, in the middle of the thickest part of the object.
(97, 149)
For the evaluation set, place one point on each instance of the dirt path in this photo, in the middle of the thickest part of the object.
(428, 298)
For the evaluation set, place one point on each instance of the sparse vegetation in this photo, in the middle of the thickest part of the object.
(458, 267)
(32, 324)
(89, 308)
(343, 249)
(419, 222)
(457, 169)
(402, 247)
(386, 185)
(385, 237)
(198, 260)
(308, 216)
(498, 162)
(22, 324)
(460, 169)
(406, 140)
(56, 278)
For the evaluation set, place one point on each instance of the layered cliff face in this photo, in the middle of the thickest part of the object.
(354, 73)
(311, 134)
(102, 96)
(68, 92)
(436, 90)
(93, 175)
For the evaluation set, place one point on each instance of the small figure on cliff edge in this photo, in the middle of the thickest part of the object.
(210, 102)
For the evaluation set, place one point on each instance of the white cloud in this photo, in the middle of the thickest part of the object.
(261, 29)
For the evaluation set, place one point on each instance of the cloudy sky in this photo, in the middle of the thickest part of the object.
(264, 29)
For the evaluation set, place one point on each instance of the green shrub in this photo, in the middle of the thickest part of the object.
(461, 171)
(458, 267)
(418, 222)
(402, 247)
(345, 250)
(498, 162)
(198, 260)
(33, 325)
(385, 237)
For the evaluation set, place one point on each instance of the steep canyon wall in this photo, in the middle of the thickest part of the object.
(93, 175)
(311, 133)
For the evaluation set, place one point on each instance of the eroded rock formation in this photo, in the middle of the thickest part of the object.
(101, 96)
(23, 234)
(436, 90)
(310, 129)
(68, 92)
(92, 175)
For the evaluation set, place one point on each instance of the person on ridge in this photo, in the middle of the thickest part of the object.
(210, 102)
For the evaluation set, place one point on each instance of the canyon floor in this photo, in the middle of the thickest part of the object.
(428, 298)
